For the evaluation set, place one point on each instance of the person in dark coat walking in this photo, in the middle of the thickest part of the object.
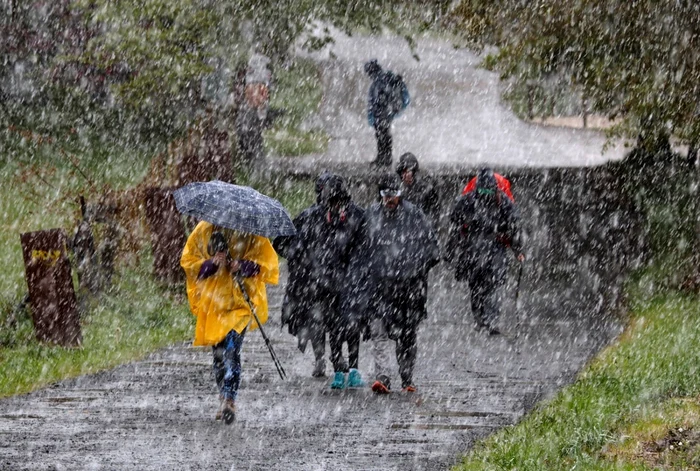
(418, 190)
(397, 250)
(296, 306)
(318, 258)
(484, 227)
(388, 96)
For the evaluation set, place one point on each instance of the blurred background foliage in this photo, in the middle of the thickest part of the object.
(141, 71)
(637, 63)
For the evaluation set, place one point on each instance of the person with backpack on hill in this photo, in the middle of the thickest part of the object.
(483, 228)
(388, 97)
(318, 257)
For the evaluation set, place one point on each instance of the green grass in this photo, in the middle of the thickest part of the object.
(137, 317)
(39, 190)
(294, 143)
(655, 360)
(298, 91)
(665, 435)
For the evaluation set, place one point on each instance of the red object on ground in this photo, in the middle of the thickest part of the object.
(503, 185)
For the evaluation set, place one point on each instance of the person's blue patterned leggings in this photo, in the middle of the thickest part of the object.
(227, 364)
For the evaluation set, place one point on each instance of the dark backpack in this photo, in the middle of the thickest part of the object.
(393, 94)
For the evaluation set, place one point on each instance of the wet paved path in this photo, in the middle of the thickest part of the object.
(157, 414)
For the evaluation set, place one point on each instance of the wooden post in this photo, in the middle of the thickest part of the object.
(51, 293)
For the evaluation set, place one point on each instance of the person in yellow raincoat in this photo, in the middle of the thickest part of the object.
(223, 315)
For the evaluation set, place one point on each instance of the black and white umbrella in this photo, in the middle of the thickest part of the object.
(235, 207)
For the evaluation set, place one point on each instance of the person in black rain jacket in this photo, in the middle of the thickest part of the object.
(484, 227)
(390, 268)
(318, 258)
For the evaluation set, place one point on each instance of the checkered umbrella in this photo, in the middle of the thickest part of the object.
(236, 207)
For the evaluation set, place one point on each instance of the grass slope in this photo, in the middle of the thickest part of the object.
(625, 408)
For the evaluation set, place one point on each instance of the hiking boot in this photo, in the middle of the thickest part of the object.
(494, 331)
(409, 389)
(319, 369)
(380, 388)
(355, 379)
(228, 414)
(338, 380)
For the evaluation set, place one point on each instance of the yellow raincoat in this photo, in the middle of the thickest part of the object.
(217, 301)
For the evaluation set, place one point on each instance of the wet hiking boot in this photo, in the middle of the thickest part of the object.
(319, 369)
(355, 379)
(228, 414)
(379, 387)
(338, 380)
(409, 389)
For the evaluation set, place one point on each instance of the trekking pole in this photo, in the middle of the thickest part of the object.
(278, 365)
(517, 289)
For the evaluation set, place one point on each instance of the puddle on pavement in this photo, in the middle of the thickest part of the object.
(463, 414)
(439, 426)
(67, 399)
(20, 416)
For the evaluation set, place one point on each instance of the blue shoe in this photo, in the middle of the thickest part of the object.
(355, 380)
(338, 380)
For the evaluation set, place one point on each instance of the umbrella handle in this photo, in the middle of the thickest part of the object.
(278, 365)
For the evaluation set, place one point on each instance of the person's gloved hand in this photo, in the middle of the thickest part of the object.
(248, 268)
(208, 268)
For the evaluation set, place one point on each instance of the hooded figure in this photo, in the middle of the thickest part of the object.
(418, 190)
(390, 267)
(318, 258)
(484, 226)
(388, 96)
(211, 258)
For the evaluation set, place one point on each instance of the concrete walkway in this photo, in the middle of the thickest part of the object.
(158, 413)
